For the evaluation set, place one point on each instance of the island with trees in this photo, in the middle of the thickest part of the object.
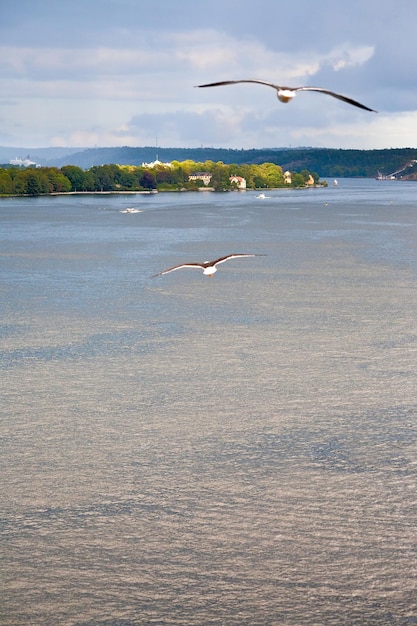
(174, 176)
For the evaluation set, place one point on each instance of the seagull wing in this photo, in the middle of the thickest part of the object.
(198, 266)
(334, 95)
(279, 88)
(228, 257)
(247, 80)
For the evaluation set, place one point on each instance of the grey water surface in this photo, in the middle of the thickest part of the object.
(238, 450)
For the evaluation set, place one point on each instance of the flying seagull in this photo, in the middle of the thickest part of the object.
(285, 94)
(208, 267)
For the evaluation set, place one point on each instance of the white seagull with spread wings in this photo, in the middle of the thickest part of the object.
(285, 94)
(208, 267)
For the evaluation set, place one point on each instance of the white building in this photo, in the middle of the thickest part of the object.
(239, 181)
(23, 162)
(203, 176)
(155, 163)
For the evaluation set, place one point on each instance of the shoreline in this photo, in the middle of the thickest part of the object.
(152, 192)
(93, 193)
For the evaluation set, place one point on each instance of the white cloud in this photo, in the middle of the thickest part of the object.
(212, 50)
(46, 62)
(350, 56)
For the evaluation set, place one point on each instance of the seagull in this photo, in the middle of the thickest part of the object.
(208, 267)
(285, 94)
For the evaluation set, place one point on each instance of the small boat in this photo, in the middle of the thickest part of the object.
(335, 183)
(130, 210)
(261, 196)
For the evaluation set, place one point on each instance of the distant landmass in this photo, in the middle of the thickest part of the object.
(39, 155)
(327, 162)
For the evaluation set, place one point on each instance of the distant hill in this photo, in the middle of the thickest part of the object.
(327, 162)
(41, 155)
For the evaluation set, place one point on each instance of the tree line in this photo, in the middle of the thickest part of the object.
(35, 181)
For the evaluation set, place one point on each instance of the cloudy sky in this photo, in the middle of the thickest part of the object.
(122, 72)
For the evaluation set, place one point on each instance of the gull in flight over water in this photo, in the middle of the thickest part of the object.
(208, 267)
(285, 94)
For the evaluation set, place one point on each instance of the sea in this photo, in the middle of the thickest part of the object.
(239, 450)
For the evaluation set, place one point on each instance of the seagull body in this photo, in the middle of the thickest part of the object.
(285, 94)
(208, 267)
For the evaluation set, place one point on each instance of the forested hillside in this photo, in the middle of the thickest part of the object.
(325, 161)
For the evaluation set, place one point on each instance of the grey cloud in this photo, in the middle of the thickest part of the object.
(207, 128)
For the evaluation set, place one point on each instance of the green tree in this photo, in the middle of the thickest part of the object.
(297, 180)
(6, 183)
(75, 175)
(19, 183)
(34, 185)
(128, 180)
(147, 180)
(89, 182)
(305, 174)
(103, 177)
(30, 181)
(57, 181)
(220, 180)
(272, 174)
(181, 171)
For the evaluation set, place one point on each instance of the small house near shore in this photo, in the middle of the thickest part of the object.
(205, 177)
(238, 181)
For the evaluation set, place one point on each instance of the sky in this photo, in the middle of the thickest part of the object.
(95, 73)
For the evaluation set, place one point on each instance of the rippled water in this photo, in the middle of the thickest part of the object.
(239, 450)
